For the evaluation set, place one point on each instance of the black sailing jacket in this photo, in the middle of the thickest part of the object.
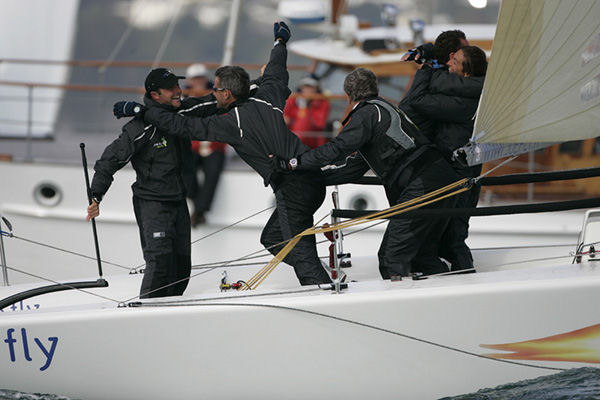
(254, 127)
(445, 106)
(365, 132)
(163, 163)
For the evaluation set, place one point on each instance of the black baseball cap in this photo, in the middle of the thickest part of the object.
(161, 78)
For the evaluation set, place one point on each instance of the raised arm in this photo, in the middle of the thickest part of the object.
(444, 82)
(215, 128)
(199, 106)
(274, 81)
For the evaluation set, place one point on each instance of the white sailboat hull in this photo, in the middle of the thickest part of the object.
(409, 339)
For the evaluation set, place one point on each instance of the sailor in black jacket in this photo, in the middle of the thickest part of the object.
(445, 102)
(255, 128)
(406, 162)
(164, 168)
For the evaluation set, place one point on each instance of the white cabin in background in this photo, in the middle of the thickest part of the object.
(42, 30)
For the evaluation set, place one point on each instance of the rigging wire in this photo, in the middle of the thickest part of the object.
(235, 296)
(495, 168)
(113, 54)
(361, 324)
(265, 249)
(227, 227)
(227, 263)
(167, 36)
(231, 225)
(111, 57)
(211, 269)
(212, 266)
(217, 263)
(426, 199)
(21, 271)
(579, 253)
(11, 235)
(348, 223)
(221, 264)
(272, 293)
(366, 227)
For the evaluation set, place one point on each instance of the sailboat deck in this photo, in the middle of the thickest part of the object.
(283, 289)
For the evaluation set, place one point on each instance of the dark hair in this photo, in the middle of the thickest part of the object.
(236, 79)
(361, 84)
(447, 42)
(475, 62)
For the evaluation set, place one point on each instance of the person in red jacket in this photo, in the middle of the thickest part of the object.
(305, 115)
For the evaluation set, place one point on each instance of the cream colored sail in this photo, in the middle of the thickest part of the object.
(543, 81)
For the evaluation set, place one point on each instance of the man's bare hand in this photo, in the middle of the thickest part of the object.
(93, 210)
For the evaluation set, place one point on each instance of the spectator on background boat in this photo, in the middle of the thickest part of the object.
(442, 101)
(255, 128)
(306, 114)
(198, 83)
(164, 167)
(406, 161)
(209, 157)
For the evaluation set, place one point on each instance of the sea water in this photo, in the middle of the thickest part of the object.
(573, 384)
(12, 395)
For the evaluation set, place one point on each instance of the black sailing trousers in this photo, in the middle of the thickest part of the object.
(165, 236)
(298, 196)
(412, 244)
(454, 249)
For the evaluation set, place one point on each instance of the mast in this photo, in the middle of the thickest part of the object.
(231, 32)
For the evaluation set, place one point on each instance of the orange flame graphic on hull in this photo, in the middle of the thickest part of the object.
(581, 345)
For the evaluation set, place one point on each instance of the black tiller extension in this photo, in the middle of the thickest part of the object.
(89, 195)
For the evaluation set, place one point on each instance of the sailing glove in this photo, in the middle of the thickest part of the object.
(281, 31)
(127, 109)
(420, 54)
(434, 64)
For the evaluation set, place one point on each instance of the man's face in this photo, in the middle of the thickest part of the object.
(198, 82)
(308, 90)
(171, 97)
(463, 43)
(455, 64)
(224, 97)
